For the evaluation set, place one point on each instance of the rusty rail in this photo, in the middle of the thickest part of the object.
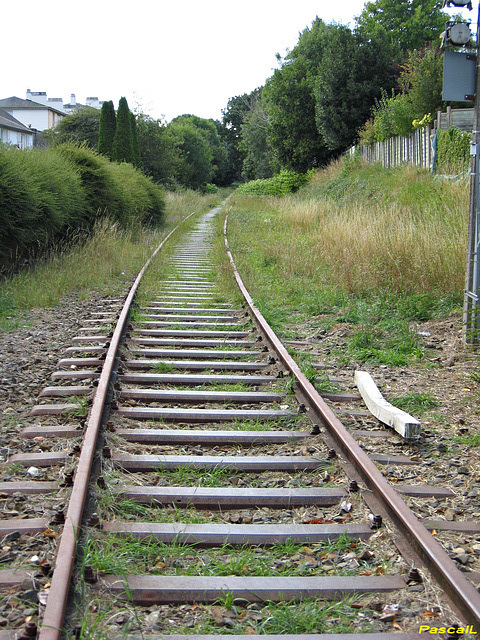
(462, 593)
(57, 599)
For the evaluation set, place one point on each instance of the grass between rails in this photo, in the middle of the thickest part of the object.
(124, 555)
(102, 263)
(372, 248)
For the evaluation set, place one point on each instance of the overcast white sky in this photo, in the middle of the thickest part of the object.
(168, 56)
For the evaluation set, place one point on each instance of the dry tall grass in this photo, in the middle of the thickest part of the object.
(410, 240)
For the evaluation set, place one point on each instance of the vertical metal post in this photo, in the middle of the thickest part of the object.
(471, 307)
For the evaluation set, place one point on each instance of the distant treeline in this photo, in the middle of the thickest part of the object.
(381, 78)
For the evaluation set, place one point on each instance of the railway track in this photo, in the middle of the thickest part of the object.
(210, 489)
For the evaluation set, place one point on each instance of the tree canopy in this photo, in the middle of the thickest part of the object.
(409, 24)
(81, 126)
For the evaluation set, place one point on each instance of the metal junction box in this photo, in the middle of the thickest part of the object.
(459, 76)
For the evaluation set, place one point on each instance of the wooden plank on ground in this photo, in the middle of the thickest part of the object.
(402, 422)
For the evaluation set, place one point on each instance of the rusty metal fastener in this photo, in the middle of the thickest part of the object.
(68, 481)
(376, 522)
(59, 517)
(353, 486)
(301, 408)
(46, 568)
(29, 631)
(101, 482)
(315, 430)
(107, 452)
(414, 575)
(331, 454)
(89, 574)
(94, 520)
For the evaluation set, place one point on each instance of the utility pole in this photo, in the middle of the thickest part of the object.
(471, 307)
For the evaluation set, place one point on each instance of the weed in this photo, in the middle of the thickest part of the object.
(472, 440)
(163, 367)
(81, 405)
(417, 403)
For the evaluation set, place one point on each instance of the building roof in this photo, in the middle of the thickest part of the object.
(19, 103)
(9, 122)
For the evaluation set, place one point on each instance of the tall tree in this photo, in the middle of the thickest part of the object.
(156, 148)
(290, 103)
(353, 73)
(137, 160)
(409, 24)
(122, 147)
(233, 118)
(193, 157)
(108, 124)
(259, 161)
(208, 129)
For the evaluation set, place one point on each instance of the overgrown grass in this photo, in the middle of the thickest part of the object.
(373, 248)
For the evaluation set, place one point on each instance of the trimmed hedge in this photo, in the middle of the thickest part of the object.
(45, 194)
(280, 185)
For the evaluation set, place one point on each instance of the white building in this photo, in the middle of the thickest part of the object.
(38, 111)
(13, 132)
(33, 114)
(73, 105)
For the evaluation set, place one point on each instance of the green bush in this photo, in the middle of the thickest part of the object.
(117, 190)
(45, 194)
(453, 150)
(139, 198)
(40, 197)
(98, 182)
(280, 185)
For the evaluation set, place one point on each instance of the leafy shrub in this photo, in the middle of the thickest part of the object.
(280, 185)
(139, 199)
(97, 181)
(119, 190)
(45, 194)
(40, 197)
(453, 149)
(210, 188)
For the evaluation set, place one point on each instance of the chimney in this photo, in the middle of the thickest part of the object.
(29, 94)
(73, 100)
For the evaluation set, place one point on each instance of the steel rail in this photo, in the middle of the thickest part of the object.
(53, 617)
(462, 593)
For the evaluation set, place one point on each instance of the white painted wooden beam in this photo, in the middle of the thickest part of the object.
(402, 422)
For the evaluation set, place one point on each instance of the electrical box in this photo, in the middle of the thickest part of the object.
(459, 76)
